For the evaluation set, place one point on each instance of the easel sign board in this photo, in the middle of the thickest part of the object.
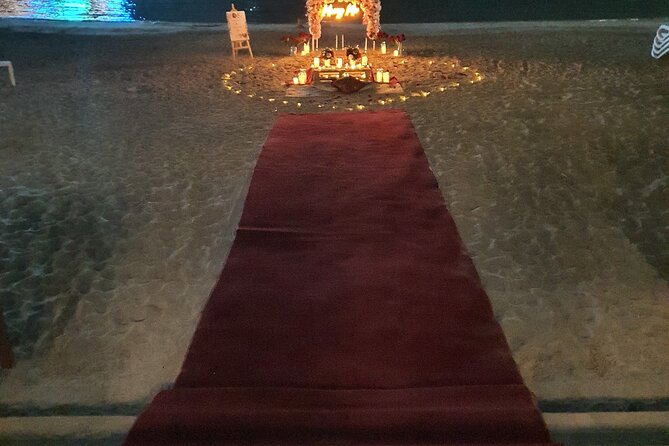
(239, 32)
(237, 25)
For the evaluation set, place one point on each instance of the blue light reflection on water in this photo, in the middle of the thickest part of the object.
(70, 10)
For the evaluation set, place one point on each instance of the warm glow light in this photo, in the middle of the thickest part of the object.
(302, 77)
(232, 83)
(339, 12)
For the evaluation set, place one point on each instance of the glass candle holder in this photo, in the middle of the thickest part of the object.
(302, 77)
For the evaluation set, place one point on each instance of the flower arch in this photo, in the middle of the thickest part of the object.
(371, 15)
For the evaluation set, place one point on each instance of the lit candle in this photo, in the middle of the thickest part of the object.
(317, 62)
(302, 77)
(296, 81)
(352, 64)
(379, 76)
(386, 77)
(326, 62)
(340, 62)
(383, 47)
(307, 50)
(396, 53)
(365, 60)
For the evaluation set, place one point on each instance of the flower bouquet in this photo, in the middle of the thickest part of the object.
(353, 53)
(327, 54)
(295, 41)
(398, 40)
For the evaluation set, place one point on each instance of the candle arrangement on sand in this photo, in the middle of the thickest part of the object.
(267, 79)
(332, 63)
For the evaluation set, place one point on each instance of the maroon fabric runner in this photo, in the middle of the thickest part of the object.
(348, 311)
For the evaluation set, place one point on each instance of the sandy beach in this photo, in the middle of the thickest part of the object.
(125, 159)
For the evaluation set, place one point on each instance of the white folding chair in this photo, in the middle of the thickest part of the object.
(10, 68)
(661, 42)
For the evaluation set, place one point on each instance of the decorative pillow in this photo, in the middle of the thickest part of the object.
(348, 84)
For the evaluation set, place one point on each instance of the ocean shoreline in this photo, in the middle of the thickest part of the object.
(157, 27)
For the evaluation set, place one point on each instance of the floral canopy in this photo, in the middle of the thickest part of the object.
(371, 15)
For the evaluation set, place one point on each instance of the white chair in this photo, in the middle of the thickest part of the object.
(10, 68)
(661, 42)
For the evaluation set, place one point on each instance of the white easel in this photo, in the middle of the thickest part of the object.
(10, 68)
(239, 33)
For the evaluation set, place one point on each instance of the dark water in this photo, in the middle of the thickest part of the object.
(280, 11)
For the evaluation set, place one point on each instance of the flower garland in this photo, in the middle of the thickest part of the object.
(371, 10)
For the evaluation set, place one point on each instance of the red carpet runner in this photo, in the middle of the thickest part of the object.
(347, 312)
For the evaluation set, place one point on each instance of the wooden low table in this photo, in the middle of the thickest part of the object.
(334, 73)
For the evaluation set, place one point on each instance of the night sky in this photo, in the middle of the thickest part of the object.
(397, 11)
